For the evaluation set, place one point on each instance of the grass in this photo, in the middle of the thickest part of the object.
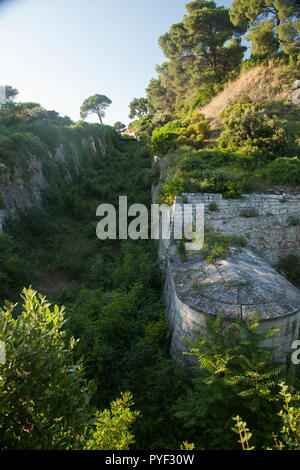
(251, 212)
(218, 246)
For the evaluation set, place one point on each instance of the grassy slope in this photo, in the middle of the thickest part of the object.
(270, 84)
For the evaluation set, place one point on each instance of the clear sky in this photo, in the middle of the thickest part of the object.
(59, 52)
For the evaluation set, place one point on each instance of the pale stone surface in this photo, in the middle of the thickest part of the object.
(241, 285)
(271, 233)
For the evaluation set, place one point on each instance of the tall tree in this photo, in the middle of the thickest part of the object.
(96, 104)
(272, 23)
(206, 38)
(138, 107)
(202, 49)
(10, 93)
(120, 127)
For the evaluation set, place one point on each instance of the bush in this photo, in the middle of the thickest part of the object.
(290, 268)
(246, 125)
(169, 190)
(213, 206)
(233, 376)
(14, 271)
(163, 141)
(218, 246)
(248, 213)
(283, 171)
(44, 396)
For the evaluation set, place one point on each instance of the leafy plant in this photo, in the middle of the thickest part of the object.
(169, 190)
(246, 124)
(250, 212)
(236, 373)
(290, 416)
(217, 245)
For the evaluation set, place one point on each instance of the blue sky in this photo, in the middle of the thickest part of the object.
(59, 52)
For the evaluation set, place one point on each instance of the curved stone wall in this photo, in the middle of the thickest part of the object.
(242, 284)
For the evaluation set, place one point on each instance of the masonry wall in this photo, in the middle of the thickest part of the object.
(270, 234)
(184, 321)
(273, 233)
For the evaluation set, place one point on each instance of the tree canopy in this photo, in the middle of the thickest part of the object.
(273, 24)
(120, 127)
(202, 49)
(10, 93)
(138, 107)
(96, 104)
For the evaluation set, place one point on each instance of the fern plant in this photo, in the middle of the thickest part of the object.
(234, 372)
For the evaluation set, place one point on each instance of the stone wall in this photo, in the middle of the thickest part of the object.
(244, 283)
(272, 233)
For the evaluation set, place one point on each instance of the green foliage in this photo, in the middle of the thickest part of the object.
(294, 221)
(14, 272)
(138, 107)
(181, 250)
(10, 94)
(96, 104)
(177, 133)
(142, 128)
(263, 40)
(160, 119)
(169, 190)
(218, 246)
(244, 433)
(20, 113)
(120, 127)
(290, 417)
(111, 290)
(202, 50)
(44, 396)
(284, 171)
(112, 427)
(290, 267)
(248, 213)
(213, 206)
(163, 140)
(198, 172)
(247, 125)
(235, 374)
(273, 24)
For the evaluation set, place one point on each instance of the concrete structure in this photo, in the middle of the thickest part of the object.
(244, 282)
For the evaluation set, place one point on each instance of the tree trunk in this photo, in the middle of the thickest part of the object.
(100, 118)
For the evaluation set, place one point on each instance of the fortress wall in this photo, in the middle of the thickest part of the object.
(272, 233)
(269, 236)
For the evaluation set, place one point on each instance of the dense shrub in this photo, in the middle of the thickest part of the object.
(290, 267)
(233, 376)
(246, 125)
(14, 271)
(169, 190)
(177, 133)
(45, 398)
(163, 140)
(284, 171)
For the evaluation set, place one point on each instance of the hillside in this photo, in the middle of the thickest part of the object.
(264, 84)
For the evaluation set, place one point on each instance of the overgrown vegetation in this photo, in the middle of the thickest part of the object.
(53, 387)
(45, 398)
(236, 373)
